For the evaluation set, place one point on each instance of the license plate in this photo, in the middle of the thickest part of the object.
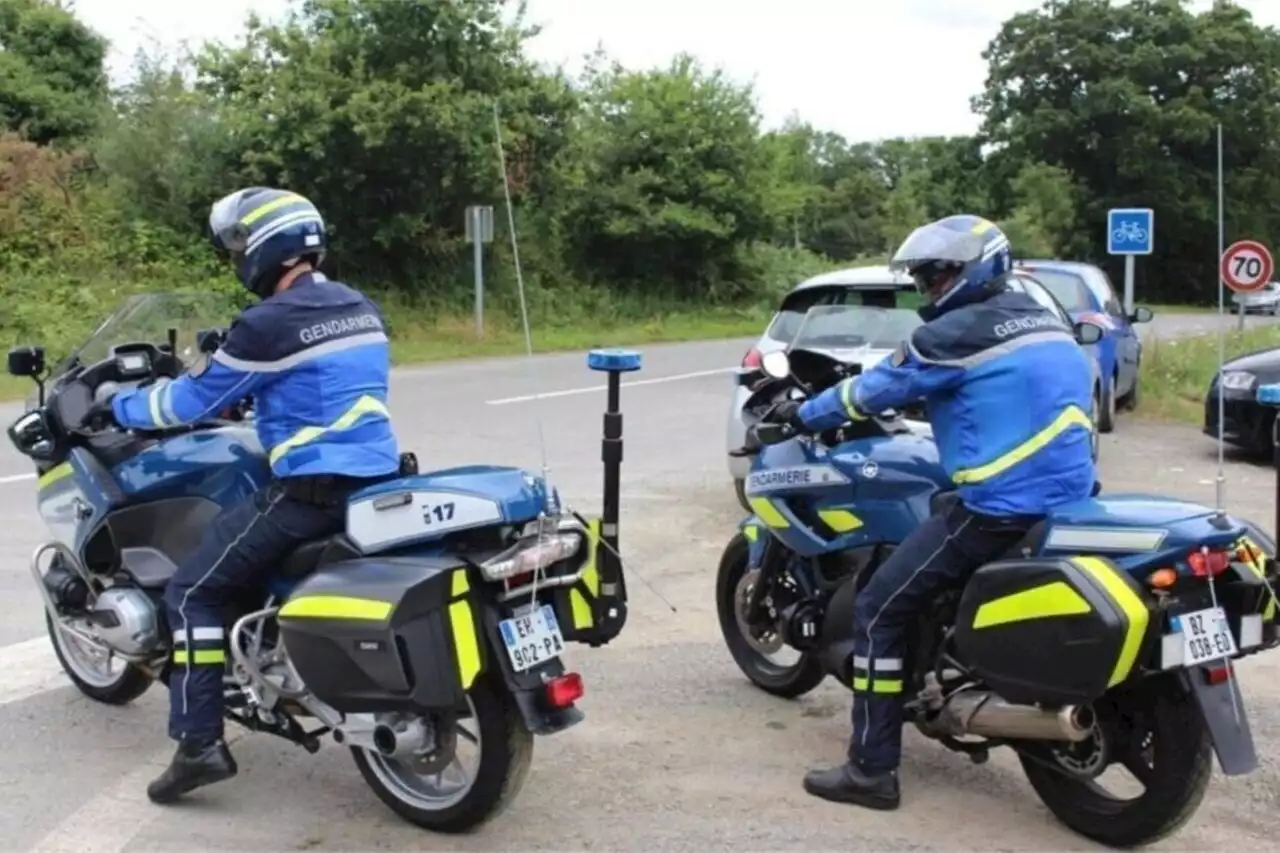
(532, 638)
(1206, 636)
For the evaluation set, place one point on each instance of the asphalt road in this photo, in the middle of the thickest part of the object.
(678, 752)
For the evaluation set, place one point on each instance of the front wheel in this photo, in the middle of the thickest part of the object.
(448, 796)
(754, 646)
(99, 675)
(1159, 737)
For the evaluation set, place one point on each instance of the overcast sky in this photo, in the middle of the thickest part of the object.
(868, 69)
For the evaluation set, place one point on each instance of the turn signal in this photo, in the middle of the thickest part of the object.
(1162, 578)
(1205, 563)
(752, 358)
(564, 690)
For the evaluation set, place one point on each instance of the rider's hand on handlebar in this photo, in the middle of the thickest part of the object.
(101, 416)
(784, 412)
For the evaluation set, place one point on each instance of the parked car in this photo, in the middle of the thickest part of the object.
(891, 317)
(1264, 301)
(1086, 292)
(1246, 422)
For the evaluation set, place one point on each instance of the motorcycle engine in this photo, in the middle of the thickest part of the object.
(125, 619)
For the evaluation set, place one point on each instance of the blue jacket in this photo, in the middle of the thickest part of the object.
(315, 359)
(1008, 392)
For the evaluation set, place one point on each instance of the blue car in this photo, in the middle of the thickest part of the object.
(1086, 292)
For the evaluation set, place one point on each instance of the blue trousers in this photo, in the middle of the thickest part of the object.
(242, 544)
(942, 552)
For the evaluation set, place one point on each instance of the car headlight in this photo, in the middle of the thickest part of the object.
(1238, 380)
(531, 555)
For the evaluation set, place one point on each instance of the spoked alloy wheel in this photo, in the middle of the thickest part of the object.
(758, 649)
(1139, 778)
(485, 759)
(97, 673)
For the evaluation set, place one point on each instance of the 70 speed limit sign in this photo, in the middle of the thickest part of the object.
(1247, 266)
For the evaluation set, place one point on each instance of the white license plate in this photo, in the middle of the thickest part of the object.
(532, 638)
(1206, 636)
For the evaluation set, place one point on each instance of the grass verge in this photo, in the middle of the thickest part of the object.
(1176, 372)
(441, 339)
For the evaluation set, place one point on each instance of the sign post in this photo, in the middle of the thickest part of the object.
(479, 227)
(1130, 232)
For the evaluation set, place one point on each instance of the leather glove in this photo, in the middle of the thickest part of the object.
(785, 412)
(101, 415)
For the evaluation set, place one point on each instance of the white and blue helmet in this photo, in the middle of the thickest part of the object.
(263, 230)
(970, 249)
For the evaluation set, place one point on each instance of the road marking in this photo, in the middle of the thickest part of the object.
(16, 478)
(28, 669)
(572, 391)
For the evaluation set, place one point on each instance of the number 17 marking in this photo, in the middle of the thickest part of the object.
(439, 512)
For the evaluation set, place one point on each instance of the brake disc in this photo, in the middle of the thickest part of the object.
(765, 640)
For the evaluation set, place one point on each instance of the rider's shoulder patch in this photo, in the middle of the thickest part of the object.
(899, 355)
(200, 365)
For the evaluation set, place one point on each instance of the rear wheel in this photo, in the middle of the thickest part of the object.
(756, 648)
(1130, 401)
(482, 772)
(1159, 737)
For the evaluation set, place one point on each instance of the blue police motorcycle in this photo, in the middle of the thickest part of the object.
(428, 635)
(1103, 639)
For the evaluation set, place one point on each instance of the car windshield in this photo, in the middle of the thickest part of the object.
(148, 317)
(1067, 287)
(835, 327)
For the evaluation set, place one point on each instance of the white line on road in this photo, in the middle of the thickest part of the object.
(571, 391)
(16, 478)
(28, 669)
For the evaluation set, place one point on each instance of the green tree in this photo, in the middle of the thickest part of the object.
(52, 83)
(382, 110)
(672, 181)
(1126, 99)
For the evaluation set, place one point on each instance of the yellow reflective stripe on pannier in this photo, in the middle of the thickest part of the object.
(1042, 602)
(579, 607)
(336, 607)
(466, 644)
(1137, 617)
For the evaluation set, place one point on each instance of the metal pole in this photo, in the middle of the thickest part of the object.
(478, 249)
(1222, 333)
(1128, 284)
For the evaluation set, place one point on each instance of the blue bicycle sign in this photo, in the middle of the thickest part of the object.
(1130, 231)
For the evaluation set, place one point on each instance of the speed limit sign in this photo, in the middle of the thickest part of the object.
(1247, 266)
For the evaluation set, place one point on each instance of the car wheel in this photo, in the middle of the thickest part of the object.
(1130, 401)
(1107, 408)
(1094, 440)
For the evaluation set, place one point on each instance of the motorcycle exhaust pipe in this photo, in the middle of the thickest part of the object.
(985, 714)
(408, 741)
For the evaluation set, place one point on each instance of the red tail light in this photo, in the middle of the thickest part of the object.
(1216, 675)
(751, 359)
(1205, 563)
(564, 690)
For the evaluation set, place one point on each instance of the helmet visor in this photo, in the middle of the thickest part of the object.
(225, 228)
(935, 243)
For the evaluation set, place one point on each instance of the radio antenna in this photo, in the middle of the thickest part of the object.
(524, 304)
(1220, 482)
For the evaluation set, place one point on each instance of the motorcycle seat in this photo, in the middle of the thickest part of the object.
(309, 556)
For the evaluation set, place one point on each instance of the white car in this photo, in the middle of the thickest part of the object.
(889, 322)
(1264, 301)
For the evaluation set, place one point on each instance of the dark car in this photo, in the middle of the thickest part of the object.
(1246, 422)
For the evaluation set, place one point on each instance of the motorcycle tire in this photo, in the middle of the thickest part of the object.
(128, 686)
(1180, 769)
(787, 682)
(506, 752)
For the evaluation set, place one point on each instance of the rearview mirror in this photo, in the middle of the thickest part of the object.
(1087, 333)
(26, 361)
(1141, 315)
(776, 364)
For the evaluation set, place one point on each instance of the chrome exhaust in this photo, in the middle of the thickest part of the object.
(407, 740)
(983, 713)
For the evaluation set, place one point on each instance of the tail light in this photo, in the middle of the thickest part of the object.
(1205, 563)
(563, 690)
(1215, 675)
(751, 359)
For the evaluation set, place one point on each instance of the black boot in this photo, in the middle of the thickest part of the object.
(194, 765)
(848, 784)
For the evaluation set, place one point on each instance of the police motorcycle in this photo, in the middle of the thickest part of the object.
(1103, 640)
(430, 632)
